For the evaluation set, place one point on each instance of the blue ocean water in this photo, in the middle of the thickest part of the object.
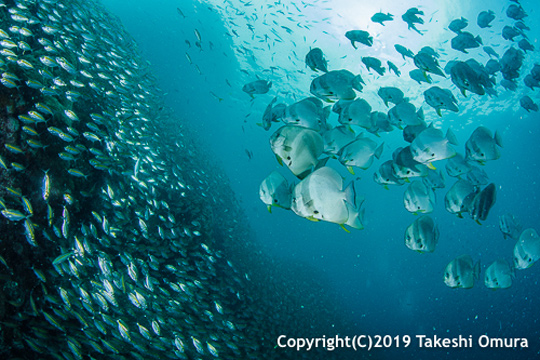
(382, 286)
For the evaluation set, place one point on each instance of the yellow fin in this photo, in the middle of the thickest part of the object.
(351, 170)
(431, 166)
(269, 207)
(311, 218)
(344, 228)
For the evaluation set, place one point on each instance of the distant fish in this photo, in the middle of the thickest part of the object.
(482, 203)
(411, 18)
(527, 249)
(405, 167)
(410, 132)
(298, 148)
(464, 41)
(404, 114)
(373, 63)
(508, 85)
(336, 138)
(515, 12)
(390, 94)
(385, 175)
(531, 82)
(275, 191)
(308, 113)
(489, 50)
(477, 176)
(428, 62)
(432, 145)
(498, 275)
(272, 114)
(434, 179)
(357, 112)
(335, 85)
(455, 200)
(510, 32)
(360, 153)
(257, 87)
(392, 67)
(525, 45)
(465, 77)
(404, 51)
(511, 63)
(510, 226)
(422, 235)
(360, 36)
(440, 99)
(458, 24)
(418, 198)
(492, 67)
(527, 103)
(461, 273)
(420, 76)
(482, 146)
(382, 17)
(316, 61)
(485, 18)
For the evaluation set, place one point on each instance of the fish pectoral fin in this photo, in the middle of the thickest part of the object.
(344, 228)
(269, 207)
(478, 222)
(350, 169)
(311, 218)
(431, 166)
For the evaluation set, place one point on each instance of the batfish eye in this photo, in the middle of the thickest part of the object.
(288, 158)
(275, 200)
(315, 212)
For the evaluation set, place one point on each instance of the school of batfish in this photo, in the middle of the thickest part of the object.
(307, 141)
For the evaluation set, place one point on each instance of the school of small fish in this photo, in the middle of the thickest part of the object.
(307, 143)
(108, 244)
